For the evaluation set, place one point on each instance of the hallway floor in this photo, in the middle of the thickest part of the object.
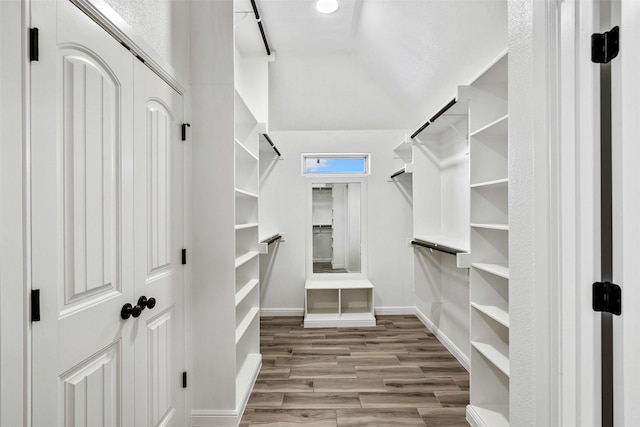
(394, 374)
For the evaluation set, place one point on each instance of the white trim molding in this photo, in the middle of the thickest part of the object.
(281, 312)
(449, 345)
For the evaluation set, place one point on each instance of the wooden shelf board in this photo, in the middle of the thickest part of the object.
(246, 290)
(493, 355)
(246, 258)
(488, 415)
(493, 183)
(489, 126)
(338, 284)
(246, 150)
(245, 226)
(243, 193)
(499, 315)
(246, 323)
(502, 227)
(498, 270)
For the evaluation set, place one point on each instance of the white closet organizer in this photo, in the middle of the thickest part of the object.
(489, 276)
(247, 300)
(332, 303)
(404, 152)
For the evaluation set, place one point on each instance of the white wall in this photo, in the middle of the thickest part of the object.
(282, 208)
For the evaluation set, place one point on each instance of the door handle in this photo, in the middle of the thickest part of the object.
(143, 302)
(128, 310)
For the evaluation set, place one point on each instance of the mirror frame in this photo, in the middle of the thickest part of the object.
(364, 240)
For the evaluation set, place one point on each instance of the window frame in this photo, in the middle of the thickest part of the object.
(365, 156)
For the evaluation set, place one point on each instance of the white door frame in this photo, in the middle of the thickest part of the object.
(14, 328)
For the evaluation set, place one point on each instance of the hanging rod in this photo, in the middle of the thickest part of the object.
(272, 239)
(433, 119)
(436, 247)
(272, 144)
(259, 21)
(400, 172)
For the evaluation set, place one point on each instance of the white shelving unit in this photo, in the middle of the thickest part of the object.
(404, 152)
(333, 303)
(489, 224)
(247, 296)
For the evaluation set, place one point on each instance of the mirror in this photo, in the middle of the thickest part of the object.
(336, 233)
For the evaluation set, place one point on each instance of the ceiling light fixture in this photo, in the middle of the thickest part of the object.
(327, 6)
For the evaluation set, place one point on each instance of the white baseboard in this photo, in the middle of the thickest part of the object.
(398, 311)
(453, 349)
(281, 312)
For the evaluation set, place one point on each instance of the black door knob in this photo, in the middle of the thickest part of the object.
(146, 303)
(128, 310)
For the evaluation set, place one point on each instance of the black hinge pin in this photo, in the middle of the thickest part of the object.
(184, 256)
(184, 380)
(35, 305)
(34, 48)
(184, 130)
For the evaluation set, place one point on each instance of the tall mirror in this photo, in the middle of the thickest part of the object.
(336, 227)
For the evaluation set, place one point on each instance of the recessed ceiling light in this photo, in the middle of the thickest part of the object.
(327, 6)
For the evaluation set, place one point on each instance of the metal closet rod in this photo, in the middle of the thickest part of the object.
(434, 118)
(272, 144)
(259, 20)
(400, 172)
(436, 247)
(272, 239)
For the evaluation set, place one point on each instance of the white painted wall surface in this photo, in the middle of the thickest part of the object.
(283, 204)
(162, 24)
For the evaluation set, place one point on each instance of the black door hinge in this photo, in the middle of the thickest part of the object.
(35, 305)
(184, 256)
(605, 46)
(184, 380)
(607, 297)
(34, 48)
(184, 130)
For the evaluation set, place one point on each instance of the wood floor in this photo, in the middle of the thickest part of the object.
(394, 374)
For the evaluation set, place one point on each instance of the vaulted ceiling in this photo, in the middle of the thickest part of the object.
(372, 64)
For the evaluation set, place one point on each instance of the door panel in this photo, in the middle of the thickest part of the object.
(159, 223)
(81, 195)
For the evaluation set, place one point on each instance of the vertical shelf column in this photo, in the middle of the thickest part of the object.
(247, 287)
(489, 275)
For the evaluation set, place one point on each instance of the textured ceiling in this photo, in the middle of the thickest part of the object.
(373, 64)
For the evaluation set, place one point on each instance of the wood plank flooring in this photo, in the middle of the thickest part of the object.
(394, 374)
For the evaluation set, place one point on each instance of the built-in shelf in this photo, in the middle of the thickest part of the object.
(488, 415)
(489, 276)
(493, 183)
(243, 193)
(246, 322)
(246, 290)
(245, 226)
(499, 122)
(494, 312)
(495, 269)
(246, 152)
(339, 302)
(504, 227)
(246, 258)
(496, 356)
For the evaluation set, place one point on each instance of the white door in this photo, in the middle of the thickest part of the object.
(160, 341)
(92, 243)
(626, 213)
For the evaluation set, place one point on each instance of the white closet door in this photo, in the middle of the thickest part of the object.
(159, 206)
(81, 195)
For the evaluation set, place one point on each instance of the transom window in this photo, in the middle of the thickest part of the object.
(318, 164)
